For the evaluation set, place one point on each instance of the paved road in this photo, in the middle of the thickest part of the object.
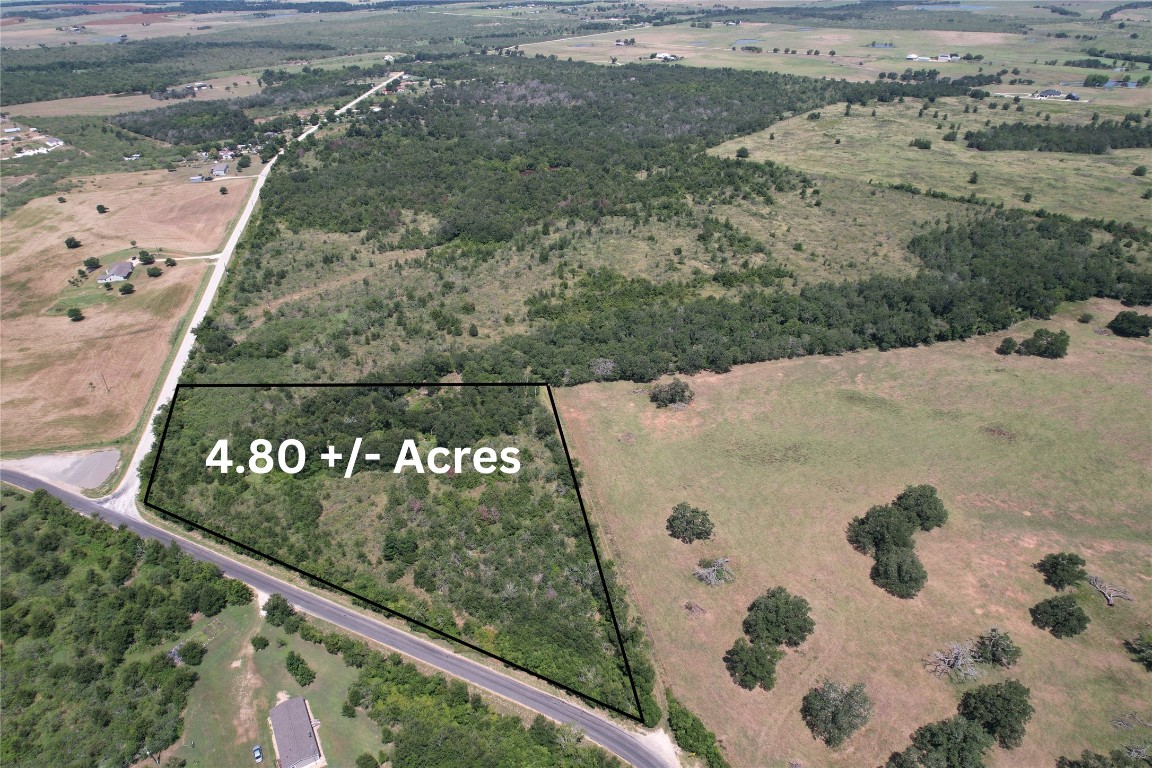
(610, 735)
(119, 508)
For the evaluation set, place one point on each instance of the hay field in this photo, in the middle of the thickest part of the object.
(1030, 456)
(877, 148)
(51, 366)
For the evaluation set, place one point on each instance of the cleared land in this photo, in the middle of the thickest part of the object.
(1030, 456)
(51, 366)
(222, 88)
(877, 148)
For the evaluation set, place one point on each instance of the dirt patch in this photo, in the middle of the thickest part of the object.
(245, 722)
(115, 104)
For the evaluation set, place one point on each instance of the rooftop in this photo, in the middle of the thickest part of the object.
(292, 727)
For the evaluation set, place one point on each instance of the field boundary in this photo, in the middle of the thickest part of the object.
(639, 717)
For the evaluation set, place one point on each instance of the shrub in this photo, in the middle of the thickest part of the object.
(689, 524)
(1140, 170)
(996, 648)
(169, 262)
(71, 242)
(743, 153)
(1131, 324)
(1062, 569)
(1141, 650)
(777, 617)
(1002, 710)
(299, 669)
(146, 258)
(1060, 616)
(1008, 346)
(921, 143)
(192, 653)
(675, 391)
(833, 712)
(692, 735)
(74, 314)
(259, 642)
(154, 272)
(1086, 318)
(127, 289)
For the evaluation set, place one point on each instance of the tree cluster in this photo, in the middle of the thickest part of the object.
(885, 532)
(1131, 324)
(834, 712)
(987, 714)
(775, 618)
(692, 735)
(1092, 139)
(1061, 616)
(87, 615)
(1042, 343)
(674, 392)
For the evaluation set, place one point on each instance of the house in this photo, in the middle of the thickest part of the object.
(220, 169)
(666, 57)
(117, 273)
(1072, 97)
(912, 57)
(11, 130)
(292, 734)
(196, 178)
(1049, 93)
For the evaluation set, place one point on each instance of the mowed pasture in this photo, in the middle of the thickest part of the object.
(1030, 456)
(88, 382)
(877, 148)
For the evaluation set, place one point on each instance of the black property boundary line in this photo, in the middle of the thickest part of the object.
(384, 608)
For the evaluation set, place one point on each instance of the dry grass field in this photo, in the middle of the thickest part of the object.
(51, 366)
(877, 148)
(1030, 456)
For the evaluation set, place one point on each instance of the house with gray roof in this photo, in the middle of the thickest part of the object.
(292, 734)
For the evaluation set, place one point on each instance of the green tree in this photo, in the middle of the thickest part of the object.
(223, 190)
(127, 289)
(1140, 170)
(1008, 346)
(882, 528)
(743, 153)
(899, 572)
(1086, 318)
(243, 162)
(192, 653)
(169, 262)
(953, 743)
(154, 272)
(1059, 615)
(74, 314)
(1116, 759)
(777, 617)
(146, 258)
(974, 178)
(1062, 569)
(675, 391)
(71, 242)
(833, 712)
(259, 642)
(689, 524)
(922, 502)
(1131, 324)
(1001, 709)
(1045, 343)
(101, 209)
(92, 262)
(752, 665)
(1141, 649)
(366, 760)
(996, 647)
(299, 669)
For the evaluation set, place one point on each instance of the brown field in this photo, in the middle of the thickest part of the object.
(1030, 456)
(106, 27)
(51, 366)
(114, 105)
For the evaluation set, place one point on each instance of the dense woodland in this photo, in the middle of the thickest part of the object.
(503, 561)
(87, 615)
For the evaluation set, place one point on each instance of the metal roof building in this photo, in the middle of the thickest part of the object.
(296, 745)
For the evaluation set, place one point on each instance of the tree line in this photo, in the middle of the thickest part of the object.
(1094, 139)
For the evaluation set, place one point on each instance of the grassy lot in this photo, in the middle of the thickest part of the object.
(877, 148)
(1030, 456)
(228, 709)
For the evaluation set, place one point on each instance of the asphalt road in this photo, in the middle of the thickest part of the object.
(608, 734)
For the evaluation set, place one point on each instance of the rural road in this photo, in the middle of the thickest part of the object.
(119, 508)
(629, 746)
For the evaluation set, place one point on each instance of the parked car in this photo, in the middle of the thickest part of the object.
(257, 755)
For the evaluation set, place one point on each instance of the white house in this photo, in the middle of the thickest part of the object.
(117, 273)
